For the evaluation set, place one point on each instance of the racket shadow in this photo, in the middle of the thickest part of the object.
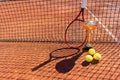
(52, 58)
(41, 65)
(67, 65)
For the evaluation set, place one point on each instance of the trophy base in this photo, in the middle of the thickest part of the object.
(87, 47)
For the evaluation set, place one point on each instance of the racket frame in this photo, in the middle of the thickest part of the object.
(76, 19)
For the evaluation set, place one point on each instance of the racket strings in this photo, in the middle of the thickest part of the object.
(75, 34)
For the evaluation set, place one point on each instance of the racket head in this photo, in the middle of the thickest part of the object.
(75, 34)
(64, 52)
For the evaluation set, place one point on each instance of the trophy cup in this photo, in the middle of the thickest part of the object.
(89, 26)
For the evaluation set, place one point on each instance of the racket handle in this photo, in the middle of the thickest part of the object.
(84, 3)
(89, 37)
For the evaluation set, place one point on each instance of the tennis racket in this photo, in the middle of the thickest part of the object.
(75, 34)
(57, 54)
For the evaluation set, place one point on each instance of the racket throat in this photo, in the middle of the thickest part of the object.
(82, 14)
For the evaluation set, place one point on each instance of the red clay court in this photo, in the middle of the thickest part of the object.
(31, 30)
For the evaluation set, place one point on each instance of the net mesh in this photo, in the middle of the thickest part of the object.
(46, 20)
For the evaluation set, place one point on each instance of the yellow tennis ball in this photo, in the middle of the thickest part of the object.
(91, 51)
(97, 56)
(88, 58)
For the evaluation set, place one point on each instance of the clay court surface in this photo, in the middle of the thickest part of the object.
(18, 59)
(30, 31)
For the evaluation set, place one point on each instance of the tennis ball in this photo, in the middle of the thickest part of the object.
(97, 56)
(88, 58)
(91, 51)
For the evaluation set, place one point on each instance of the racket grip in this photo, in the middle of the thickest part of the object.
(84, 3)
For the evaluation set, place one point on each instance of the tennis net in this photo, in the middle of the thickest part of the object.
(46, 20)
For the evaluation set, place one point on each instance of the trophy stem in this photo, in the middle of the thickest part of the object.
(89, 36)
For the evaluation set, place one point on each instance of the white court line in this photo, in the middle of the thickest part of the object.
(106, 29)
